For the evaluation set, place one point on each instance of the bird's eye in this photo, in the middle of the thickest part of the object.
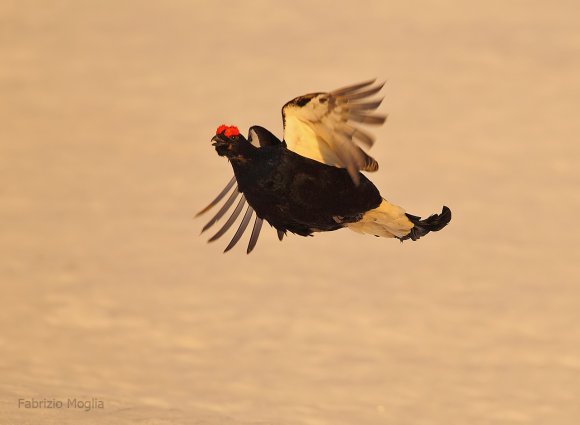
(323, 99)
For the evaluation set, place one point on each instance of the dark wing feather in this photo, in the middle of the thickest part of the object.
(222, 210)
(219, 197)
(352, 88)
(241, 229)
(255, 234)
(230, 221)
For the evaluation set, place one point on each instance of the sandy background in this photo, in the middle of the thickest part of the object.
(107, 291)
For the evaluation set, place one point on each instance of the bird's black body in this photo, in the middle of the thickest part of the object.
(297, 194)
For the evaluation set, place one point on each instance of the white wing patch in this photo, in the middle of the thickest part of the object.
(322, 126)
(306, 142)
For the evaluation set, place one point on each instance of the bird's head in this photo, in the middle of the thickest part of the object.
(227, 140)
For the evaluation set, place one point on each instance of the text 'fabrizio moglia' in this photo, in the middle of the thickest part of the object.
(70, 403)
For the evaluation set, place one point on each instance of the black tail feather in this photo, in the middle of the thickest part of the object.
(433, 223)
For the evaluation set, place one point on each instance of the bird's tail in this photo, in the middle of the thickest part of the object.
(391, 221)
(433, 223)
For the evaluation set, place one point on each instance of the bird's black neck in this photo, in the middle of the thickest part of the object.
(242, 152)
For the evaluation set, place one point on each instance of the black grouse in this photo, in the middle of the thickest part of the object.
(311, 181)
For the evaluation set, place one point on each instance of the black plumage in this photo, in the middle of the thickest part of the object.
(294, 193)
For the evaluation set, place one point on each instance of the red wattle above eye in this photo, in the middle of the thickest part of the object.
(232, 131)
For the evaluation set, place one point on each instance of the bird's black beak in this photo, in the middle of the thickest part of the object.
(221, 143)
(219, 139)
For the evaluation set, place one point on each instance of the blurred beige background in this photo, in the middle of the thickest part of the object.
(108, 291)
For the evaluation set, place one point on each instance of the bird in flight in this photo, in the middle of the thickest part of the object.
(312, 181)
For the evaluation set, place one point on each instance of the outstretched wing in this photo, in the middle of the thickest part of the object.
(235, 195)
(324, 126)
(258, 136)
